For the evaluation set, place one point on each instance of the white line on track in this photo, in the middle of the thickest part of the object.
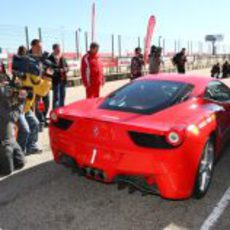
(217, 211)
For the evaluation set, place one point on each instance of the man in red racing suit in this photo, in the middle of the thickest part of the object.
(91, 72)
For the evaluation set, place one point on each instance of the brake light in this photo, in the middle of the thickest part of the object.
(175, 138)
(53, 117)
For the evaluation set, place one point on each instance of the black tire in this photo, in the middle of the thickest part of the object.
(205, 170)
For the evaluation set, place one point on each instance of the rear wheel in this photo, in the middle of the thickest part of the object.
(205, 171)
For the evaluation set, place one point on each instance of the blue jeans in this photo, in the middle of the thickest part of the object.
(28, 131)
(59, 93)
(24, 131)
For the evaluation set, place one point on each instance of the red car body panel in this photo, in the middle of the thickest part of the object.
(100, 139)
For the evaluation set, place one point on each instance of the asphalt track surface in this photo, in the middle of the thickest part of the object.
(47, 196)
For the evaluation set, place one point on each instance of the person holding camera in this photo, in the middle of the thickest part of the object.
(155, 60)
(59, 79)
(42, 104)
(11, 155)
(28, 124)
(29, 69)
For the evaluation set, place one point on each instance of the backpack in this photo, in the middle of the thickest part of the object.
(175, 59)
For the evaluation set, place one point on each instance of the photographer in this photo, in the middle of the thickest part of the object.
(155, 60)
(42, 104)
(11, 155)
(37, 87)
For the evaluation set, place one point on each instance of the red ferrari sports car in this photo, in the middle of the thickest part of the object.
(159, 134)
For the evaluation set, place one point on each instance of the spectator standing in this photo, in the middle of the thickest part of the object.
(179, 60)
(38, 56)
(137, 64)
(22, 51)
(59, 76)
(216, 70)
(226, 69)
(92, 72)
(155, 60)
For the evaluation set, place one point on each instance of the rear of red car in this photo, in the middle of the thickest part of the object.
(129, 148)
(148, 135)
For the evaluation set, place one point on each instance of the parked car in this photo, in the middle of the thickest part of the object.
(159, 134)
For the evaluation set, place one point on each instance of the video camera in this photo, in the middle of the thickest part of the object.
(13, 91)
(38, 66)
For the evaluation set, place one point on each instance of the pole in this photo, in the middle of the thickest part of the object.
(77, 44)
(164, 47)
(40, 33)
(139, 41)
(63, 39)
(191, 46)
(113, 50)
(159, 41)
(179, 45)
(93, 22)
(119, 45)
(86, 41)
(27, 37)
(188, 47)
(175, 46)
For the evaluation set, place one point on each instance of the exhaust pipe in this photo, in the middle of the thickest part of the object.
(101, 176)
(92, 173)
(67, 161)
(95, 173)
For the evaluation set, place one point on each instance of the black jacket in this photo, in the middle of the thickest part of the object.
(58, 76)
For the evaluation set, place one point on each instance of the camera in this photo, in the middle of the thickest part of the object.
(13, 91)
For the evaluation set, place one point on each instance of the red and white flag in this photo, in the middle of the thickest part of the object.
(149, 36)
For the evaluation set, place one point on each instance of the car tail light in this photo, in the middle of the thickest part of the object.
(175, 137)
(53, 117)
(147, 140)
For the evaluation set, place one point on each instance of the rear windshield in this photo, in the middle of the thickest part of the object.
(147, 97)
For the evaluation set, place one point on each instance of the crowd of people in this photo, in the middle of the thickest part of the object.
(35, 72)
(38, 72)
(155, 61)
(219, 71)
(23, 117)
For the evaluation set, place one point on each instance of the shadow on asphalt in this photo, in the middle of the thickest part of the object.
(50, 197)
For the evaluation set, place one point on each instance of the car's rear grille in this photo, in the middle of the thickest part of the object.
(150, 140)
(63, 124)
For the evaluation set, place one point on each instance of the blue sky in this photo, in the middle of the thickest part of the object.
(178, 19)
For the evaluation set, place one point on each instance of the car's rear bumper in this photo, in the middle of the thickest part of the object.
(172, 171)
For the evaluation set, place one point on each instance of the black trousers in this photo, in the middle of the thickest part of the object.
(11, 158)
(181, 69)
